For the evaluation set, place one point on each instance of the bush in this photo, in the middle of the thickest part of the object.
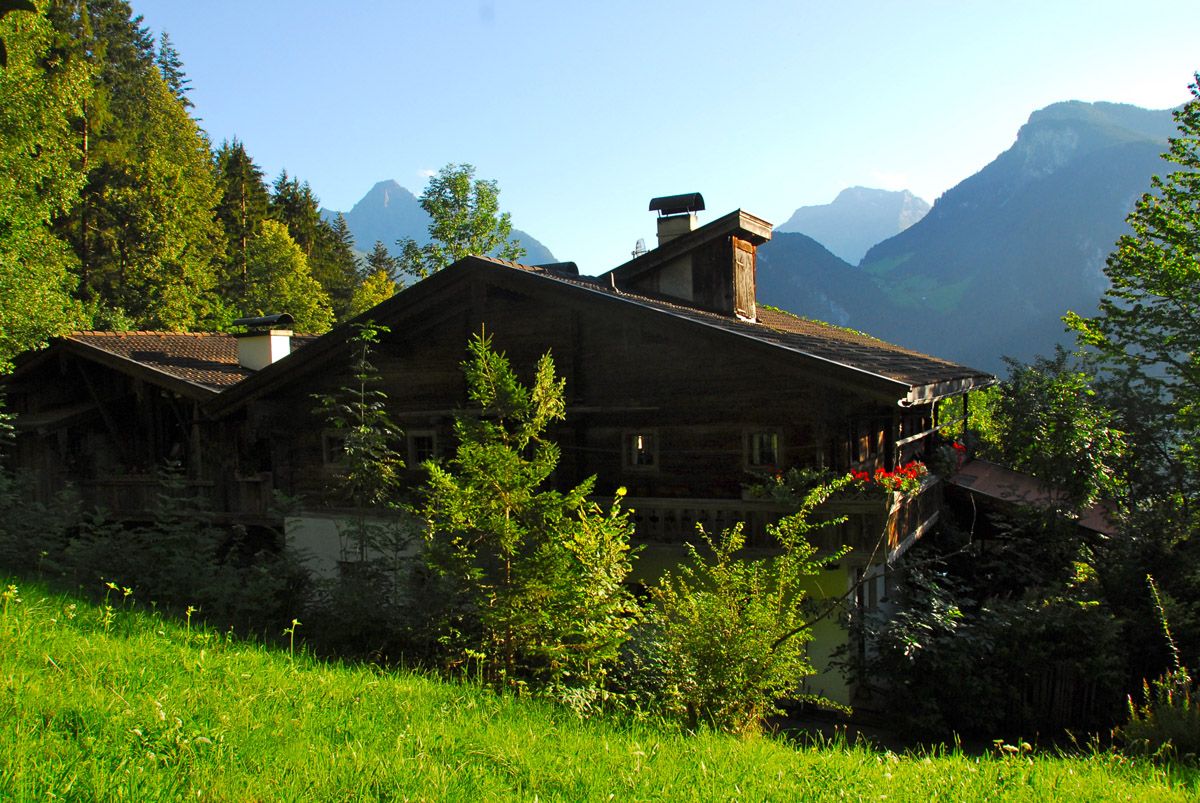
(724, 639)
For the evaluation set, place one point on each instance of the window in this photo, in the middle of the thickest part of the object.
(641, 450)
(422, 446)
(762, 449)
(333, 449)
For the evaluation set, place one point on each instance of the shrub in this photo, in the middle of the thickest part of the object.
(725, 637)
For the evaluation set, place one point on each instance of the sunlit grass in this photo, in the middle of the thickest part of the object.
(108, 702)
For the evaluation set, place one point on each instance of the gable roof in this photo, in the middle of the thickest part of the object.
(198, 365)
(903, 375)
(925, 378)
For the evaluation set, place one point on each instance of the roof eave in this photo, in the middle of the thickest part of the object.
(936, 391)
(184, 387)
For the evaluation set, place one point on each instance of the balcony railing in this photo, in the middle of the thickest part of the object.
(883, 525)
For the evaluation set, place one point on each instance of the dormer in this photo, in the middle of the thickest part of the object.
(710, 267)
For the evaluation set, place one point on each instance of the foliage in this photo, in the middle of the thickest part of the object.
(381, 261)
(466, 219)
(170, 66)
(41, 89)
(127, 704)
(1047, 419)
(1146, 336)
(280, 281)
(143, 230)
(357, 413)
(1167, 724)
(5, 7)
(243, 207)
(375, 289)
(527, 581)
(730, 630)
(365, 605)
(328, 248)
(999, 635)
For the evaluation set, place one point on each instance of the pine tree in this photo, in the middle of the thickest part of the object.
(144, 230)
(336, 267)
(529, 581)
(170, 66)
(380, 261)
(244, 205)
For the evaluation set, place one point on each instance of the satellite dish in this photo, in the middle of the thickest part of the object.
(639, 248)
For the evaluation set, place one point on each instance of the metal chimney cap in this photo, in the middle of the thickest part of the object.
(677, 204)
(280, 319)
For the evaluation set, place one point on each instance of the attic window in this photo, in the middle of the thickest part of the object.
(641, 450)
(762, 449)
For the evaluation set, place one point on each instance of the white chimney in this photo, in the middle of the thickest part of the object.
(263, 345)
(677, 215)
(257, 350)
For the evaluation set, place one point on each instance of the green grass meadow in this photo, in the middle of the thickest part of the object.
(117, 703)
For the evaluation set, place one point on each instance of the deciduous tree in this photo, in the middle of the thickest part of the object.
(466, 219)
(280, 281)
(1147, 333)
(41, 90)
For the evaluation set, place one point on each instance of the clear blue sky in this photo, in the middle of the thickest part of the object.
(584, 111)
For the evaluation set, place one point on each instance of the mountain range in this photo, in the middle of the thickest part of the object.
(389, 212)
(858, 218)
(991, 269)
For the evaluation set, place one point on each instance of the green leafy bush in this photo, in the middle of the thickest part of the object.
(725, 636)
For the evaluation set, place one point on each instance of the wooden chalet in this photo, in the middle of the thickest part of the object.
(680, 387)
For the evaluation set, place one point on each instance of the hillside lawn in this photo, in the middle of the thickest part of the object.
(114, 702)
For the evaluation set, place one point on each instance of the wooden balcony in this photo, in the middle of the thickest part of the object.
(876, 526)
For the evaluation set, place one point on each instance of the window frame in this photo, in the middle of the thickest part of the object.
(628, 450)
(748, 444)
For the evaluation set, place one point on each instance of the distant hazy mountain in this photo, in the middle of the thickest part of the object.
(991, 269)
(858, 218)
(388, 213)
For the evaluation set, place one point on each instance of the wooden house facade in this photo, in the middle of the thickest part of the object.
(680, 388)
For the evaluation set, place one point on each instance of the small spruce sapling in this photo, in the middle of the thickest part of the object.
(530, 581)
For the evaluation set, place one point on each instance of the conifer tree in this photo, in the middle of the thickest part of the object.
(144, 230)
(170, 66)
(244, 205)
(381, 261)
(329, 253)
